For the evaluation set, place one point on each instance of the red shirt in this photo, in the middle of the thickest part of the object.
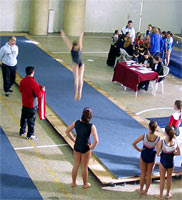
(30, 90)
(175, 119)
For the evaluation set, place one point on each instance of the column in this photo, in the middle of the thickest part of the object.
(39, 12)
(74, 17)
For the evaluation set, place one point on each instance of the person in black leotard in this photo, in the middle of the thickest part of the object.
(78, 66)
(82, 145)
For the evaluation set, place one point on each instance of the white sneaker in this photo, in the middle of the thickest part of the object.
(33, 137)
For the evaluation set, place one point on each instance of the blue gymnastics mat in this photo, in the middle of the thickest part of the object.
(116, 129)
(15, 183)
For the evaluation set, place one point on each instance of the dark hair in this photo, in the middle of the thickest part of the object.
(164, 32)
(130, 21)
(86, 115)
(178, 104)
(170, 33)
(11, 37)
(170, 132)
(146, 53)
(150, 25)
(157, 58)
(115, 32)
(153, 126)
(29, 70)
(75, 43)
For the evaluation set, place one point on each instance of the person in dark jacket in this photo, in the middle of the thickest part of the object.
(157, 66)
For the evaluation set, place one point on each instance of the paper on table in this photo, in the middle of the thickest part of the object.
(144, 71)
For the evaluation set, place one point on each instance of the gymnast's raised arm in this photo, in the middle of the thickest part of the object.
(66, 40)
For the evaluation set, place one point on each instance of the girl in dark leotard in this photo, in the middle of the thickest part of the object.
(78, 67)
(148, 153)
(167, 149)
(82, 145)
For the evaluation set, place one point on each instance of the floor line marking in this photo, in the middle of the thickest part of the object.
(83, 52)
(147, 110)
(39, 147)
(58, 36)
(39, 154)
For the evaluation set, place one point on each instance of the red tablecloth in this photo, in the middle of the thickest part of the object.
(130, 78)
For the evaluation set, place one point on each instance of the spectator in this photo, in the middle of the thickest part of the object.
(149, 29)
(130, 29)
(30, 90)
(163, 47)
(155, 41)
(82, 145)
(136, 39)
(167, 149)
(8, 57)
(128, 46)
(115, 37)
(169, 46)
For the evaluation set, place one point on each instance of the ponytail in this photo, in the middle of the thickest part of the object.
(153, 126)
(170, 132)
(86, 115)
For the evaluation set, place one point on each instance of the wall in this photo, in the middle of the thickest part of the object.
(108, 15)
(14, 15)
(101, 15)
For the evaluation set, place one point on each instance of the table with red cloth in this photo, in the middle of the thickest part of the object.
(130, 78)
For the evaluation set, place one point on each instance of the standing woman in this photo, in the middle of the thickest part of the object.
(167, 149)
(148, 153)
(169, 46)
(78, 67)
(82, 147)
(176, 118)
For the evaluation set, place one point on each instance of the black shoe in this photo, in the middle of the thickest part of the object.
(10, 90)
(6, 94)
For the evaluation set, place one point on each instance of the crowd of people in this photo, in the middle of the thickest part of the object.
(153, 43)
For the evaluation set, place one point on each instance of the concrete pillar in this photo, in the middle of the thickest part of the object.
(74, 17)
(39, 12)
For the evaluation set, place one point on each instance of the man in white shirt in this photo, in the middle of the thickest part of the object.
(130, 29)
(8, 57)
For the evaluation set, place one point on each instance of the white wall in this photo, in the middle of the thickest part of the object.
(14, 15)
(108, 15)
(101, 15)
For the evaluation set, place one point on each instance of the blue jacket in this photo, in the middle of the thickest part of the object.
(155, 41)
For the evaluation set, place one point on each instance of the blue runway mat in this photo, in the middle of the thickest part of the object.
(116, 129)
(15, 183)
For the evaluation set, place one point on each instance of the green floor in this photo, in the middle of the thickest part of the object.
(50, 168)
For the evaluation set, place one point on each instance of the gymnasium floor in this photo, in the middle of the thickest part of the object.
(50, 167)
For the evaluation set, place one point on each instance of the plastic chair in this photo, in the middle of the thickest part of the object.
(155, 84)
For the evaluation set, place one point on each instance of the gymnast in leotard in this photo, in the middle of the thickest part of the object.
(148, 153)
(82, 145)
(167, 149)
(78, 66)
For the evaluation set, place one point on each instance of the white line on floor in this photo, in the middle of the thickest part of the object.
(166, 108)
(82, 52)
(58, 36)
(38, 147)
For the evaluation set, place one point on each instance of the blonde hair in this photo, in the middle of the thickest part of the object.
(128, 42)
(155, 30)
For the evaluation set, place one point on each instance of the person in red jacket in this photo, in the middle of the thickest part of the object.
(30, 91)
(176, 118)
